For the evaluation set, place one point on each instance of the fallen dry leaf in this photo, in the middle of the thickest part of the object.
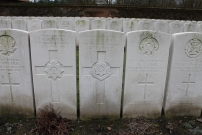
(109, 128)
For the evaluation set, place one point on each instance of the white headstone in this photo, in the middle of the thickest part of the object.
(176, 27)
(16, 96)
(64, 17)
(54, 70)
(184, 96)
(114, 24)
(100, 73)
(80, 25)
(130, 26)
(20, 24)
(146, 25)
(191, 27)
(33, 24)
(98, 24)
(199, 22)
(200, 28)
(48, 23)
(145, 77)
(58, 19)
(162, 26)
(5, 23)
(71, 18)
(67, 24)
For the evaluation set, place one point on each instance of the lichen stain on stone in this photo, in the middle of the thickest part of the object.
(180, 110)
(81, 22)
(131, 24)
(61, 35)
(13, 110)
(99, 22)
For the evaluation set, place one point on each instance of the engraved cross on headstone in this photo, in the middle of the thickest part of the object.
(188, 82)
(145, 83)
(53, 70)
(100, 70)
(10, 83)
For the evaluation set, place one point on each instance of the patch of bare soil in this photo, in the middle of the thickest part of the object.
(49, 123)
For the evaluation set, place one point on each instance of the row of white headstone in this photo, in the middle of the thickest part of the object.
(88, 23)
(162, 71)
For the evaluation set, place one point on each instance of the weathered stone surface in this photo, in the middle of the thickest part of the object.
(114, 24)
(145, 77)
(67, 24)
(191, 27)
(100, 73)
(98, 24)
(48, 24)
(80, 25)
(20, 24)
(176, 27)
(146, 25)
(131, 25)
(16, 96)
(5, 23)
(161, 26)
(33, 24)
(184, 96)
(54, 70)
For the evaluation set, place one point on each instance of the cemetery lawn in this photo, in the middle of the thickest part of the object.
(126, 126)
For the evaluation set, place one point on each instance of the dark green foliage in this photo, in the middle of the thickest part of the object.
(138, 3)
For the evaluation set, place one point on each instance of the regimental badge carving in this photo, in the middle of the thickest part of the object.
(7, 45)
(53, 70)
(190, 28)
(193, 48)
(101, 70)
(114, 24)
(49, 23)
(146, 26)
(81, 23)
(176, 27)
(34, 24)
(148, 45)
